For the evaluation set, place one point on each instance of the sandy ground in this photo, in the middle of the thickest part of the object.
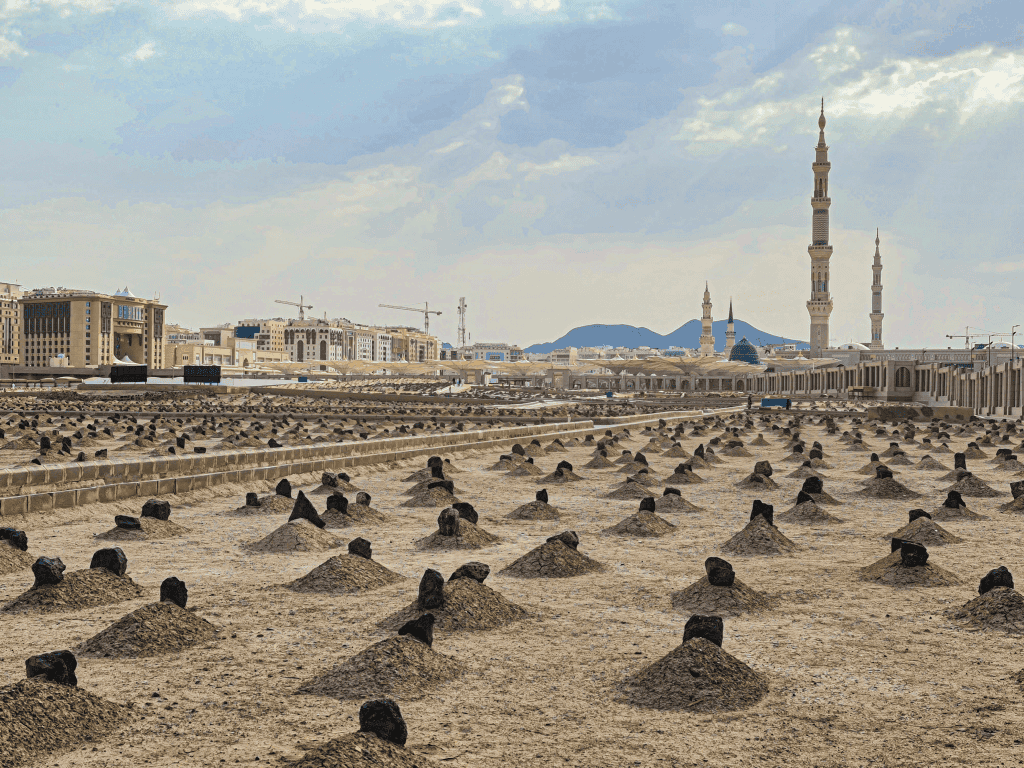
(859, 673)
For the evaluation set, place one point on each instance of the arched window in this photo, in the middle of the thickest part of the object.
(902, 377)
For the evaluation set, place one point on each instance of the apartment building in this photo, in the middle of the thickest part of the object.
(413, 345)
(503, 353)
(268, 334)
(10, 324)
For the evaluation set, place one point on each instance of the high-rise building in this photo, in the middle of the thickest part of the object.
(819, 307)
(876, 299)
(707, 337)
(730, 333)
(10, 324)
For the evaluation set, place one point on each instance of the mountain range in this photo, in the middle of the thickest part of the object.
(687, 335)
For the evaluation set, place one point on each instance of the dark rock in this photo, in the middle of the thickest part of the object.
(434, 461)
(156, 508)
(564, 465)
(284, 488)
(101, 453)
(720, 572)
(767, 511)
(113, 559)
(639, 459)
(803, 497)
(569, 538)
(304, 509)
(421, 629)
(647, 504)
(882, 472)
(816, 453)
(518, 449)
(173, 590)
(18, 539)
(699, 451)
(813, 486)
(895, 544)
(763, 468)
(709, 627)
(798, 448)
(448, 522)
(344, 476)
(45, 443)
(542, 496)
(437, 472)
(272, 443)
(431, 594)
(874, 458)
(329, 479)
(474, 570)
(252, 499)
(128, 523)
(954, 500)
(337, 501)
(363, 498)
(360, 547)
(48, 570)
(383, 718)
(466, 511)
(959, 461)
(56, 666)
(916, 513)
(672, 491)
(1017, 489)
(447, 485)
(913, 555)
(997, 577)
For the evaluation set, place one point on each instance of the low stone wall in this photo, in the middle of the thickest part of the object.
(919, 413)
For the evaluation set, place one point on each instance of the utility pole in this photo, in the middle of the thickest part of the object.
(1013, 349)
(461, 337)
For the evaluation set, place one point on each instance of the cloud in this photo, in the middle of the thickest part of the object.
(1001, 267)
(143, 52)
(565, 163)
(734, 29)
(8, 47)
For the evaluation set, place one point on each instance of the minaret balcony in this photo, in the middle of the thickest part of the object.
(819, 251)
(823, 201)
(820, 166)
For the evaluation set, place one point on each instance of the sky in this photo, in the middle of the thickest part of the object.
(556, 162)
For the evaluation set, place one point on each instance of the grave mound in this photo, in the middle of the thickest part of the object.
(39, 718)
(930, 464)
(526, 469)
(345, 573)
(599, 462)
(13, 559)
(926, 532)
(467, 536)
(804, 471)
(79, 589)
(298, 535)
(891, 571)
(552, 560)
(466, 605)
(361, 750)
(631, 489)
(674, 502)
(431, 498)
(646, 524)
(354, 514)
(759, 537)
(152, 630)
(697, 676)
(808, 512)
(703, 597)
(272, 504)
(975, 487)
(151, 528)
(401, 666)
(535, 510)
(887, 488)
(756, 482)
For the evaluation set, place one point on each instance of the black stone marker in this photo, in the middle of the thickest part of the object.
(767, 511)
(803, 497)
(1017, 489)
(959, 461)
(954, 500)
(284, 488)
(647, 504)
(916, 513)
(329, 479)
(101, 453)
(337, 501)
(434, 461)
(874, 458)
(913, 555)
(997, 577)
(569, 538)
(813, 485)
(475, 570)
(816, 454)
(304, 509)
(252, 500)
(437, 472)
(895, 545)
(113, 559)
(173, 590)
(466, 511)
(18, 539)
(56, 666)
(763, 468)
(421, 629)
(45, 443)
(363, 498)
(542, 495)
(709, 627)
(882, 472)
(564, 465)
(447, 485)
(672, 491)
(156, 508)
(431, 592)
(128, 523)
(518, 450)
(448, 522)
(720, 572)
(361, 548)
(383, 718)
(48, 570)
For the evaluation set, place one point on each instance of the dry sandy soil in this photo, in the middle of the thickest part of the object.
(860, 673)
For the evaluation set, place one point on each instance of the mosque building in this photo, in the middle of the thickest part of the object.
(707, 337)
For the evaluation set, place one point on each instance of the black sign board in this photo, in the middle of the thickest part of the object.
(129, 374)
(202, 374)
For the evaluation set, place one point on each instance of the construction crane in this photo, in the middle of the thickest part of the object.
(427, 312)
(461, 339)
(301, 305)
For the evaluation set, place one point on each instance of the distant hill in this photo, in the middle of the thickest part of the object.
(687, 335)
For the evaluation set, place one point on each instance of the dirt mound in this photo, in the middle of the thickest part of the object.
(269, 505)
(79, 589)
(887, 488)
(975, 487)
(361, 750)
(552, 560)
(807, 513)
(41, 718)
(535, 510)
(676, 452)
(684, 478)
(926, 532)
(697, 676)
(468, 605)
(152, 528)
(738, 452)
(560, 478)
(641, 524)
(422, 487)
(152, 630)
(432, 498)
(399, 667)
(526, 469)
(948, 514)
(629, 490)
(703, 598)
(469, 536)
(13, 559)
(900, 460)
(356, 514)
(670, 502)
(999, 608)
(928, 463)
(756, 482)
(345, 573)
(803, 472)
(759, 537)
(599, 462)
(891, 571)
(295, 536)
(1015, 506)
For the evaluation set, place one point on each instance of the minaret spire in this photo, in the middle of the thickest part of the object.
(707, 337)
(819, 307)
(876, 298)
(730, 333)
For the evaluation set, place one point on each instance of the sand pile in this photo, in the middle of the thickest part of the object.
(431, 498)
(951, 513)
(526, 469)
(646, 524)
(684, 478)
(295, 536)
(535, 510)
(673, 502)
(926, 532)
(999, 608)
(891, 571)
(631, 489)
(702, 597)
(399, 667)
(676, 452)
(272, 504)
(697, 676)
(468, 605)
(759, 537)
(928, 463)
(345, 573)
(560, 476)
(40, 718)
(152, 528)
(756, 482)
(974, 487)
(469, 536)
(887, 488)
(361, 750)
(354, 514)
(422, 486)
(13, 559)
(804, 471)
(79, 589)
(599, 462)
(152, 630)
(552, 560)
(808, 513)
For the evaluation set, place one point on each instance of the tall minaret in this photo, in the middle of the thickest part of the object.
(876, 299)
(820, 305)
(730, 333)
(707, 338)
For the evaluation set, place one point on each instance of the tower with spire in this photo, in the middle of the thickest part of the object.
(730, 333)
(819, 307)
(876, 299)
(707, 338)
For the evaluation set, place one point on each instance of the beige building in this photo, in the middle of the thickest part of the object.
(10, 324)
(819, 307)
(413, 345)
(268, 334)
(91, 329)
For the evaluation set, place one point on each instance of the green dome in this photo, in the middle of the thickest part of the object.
(744, 352)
